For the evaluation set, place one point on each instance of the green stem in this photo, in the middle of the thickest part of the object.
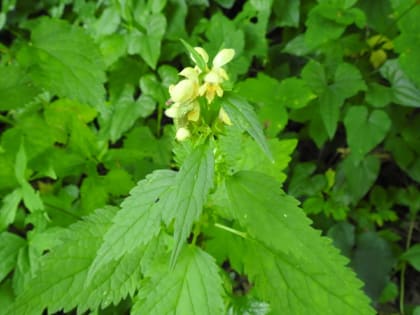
(196, 233)
(404, 264)
(233, 231)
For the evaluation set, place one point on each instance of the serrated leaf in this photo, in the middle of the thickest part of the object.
(66, 61)
(404, 91)
(240, 152)
(365, 131)
(16, 88)
(138, 221)
(61, 280)
(10, 244)
(298, 264)
(194, 286)
(243, 116)
(190, 191)
(9, 207)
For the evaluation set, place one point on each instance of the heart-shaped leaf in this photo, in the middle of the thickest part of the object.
(364, 131)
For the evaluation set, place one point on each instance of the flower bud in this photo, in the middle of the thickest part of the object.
(224, 117)
(182, 134)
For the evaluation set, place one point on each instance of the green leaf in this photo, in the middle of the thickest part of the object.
(9, 207)
(242, 153)
(371, 248)
(404, 91)
(297, 262)
(242, 115)
(189, 193)
(328, 20)
(198, 59)
(125, 112)
(347, 82)
(61, 282)
(408, 43)
(294, 93)
(378, 95)
(365, 131)
(138, 221)
(194, 286)
(329, 108)
(342, 234)
(10, 244)
(356, 176)
(286, 12)
(16, 88)
(412, 255)
(21, 163)
(148, 44)
(263, 91)
(66, 61)
(314, 75)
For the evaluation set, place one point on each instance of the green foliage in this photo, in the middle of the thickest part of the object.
(290, 170)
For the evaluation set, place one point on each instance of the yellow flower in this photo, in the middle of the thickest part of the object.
(216, 75)
(183, 96)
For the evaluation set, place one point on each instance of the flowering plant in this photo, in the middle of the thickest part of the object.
(198, 83)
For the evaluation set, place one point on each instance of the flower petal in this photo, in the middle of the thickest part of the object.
(223, 57)
(190, 73)
(202, 53)
(173, 111)
(183, 91)
(213, 77)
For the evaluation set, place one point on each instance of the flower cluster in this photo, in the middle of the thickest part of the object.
(198, 82)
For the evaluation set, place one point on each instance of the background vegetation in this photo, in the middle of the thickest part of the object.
(335, 85)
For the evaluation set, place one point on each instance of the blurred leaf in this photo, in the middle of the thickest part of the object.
(407, 44)
(347, 82)
(66, 61)
(10, 244)
(16, 87)
(365, 131)
(148, 44)
(243, 116)
(286, 12)
(378, 95)
(343, 235)
(404, 91)
(9, 207)
(355, 177)
(371, 249)
(412, 255)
